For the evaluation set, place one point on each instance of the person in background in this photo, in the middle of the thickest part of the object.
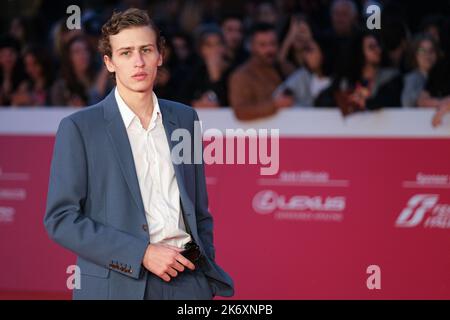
(207, 87)
(251, 86)
(60, 37)
(439, 115)
(344, 18)
(78, 74)
(394, 36)
(163, 77)
(233, 33)
(12, 74)
(432, 25)
(395, 41)
(298, 36)
(307, 83)
(23, 30)
(179, 62)
(191, 16)
(344, 28)
(436, 93)
(424, 54)
(266, 12)
(363, 83)
(35, 91)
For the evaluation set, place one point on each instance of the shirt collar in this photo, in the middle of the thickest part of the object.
(128, 115)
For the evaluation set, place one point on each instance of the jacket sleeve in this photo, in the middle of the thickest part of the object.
(65, 219)
(204, 218)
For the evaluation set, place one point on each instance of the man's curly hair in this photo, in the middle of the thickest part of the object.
(127, 19)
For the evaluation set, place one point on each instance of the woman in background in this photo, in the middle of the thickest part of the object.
(12, 75)
(362, 83)
(36, 90)
(208, 85)
(298, 36)
(424, 54)
(78, 74)
(307, 83)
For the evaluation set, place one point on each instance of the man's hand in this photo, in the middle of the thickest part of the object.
(437, 118)
(165, 261)
(205, 101)
(283, 101)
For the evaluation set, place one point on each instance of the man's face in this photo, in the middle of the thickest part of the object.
(232, 32)
(265, 46)
(8, 58)
(134, 58)
(342, 18)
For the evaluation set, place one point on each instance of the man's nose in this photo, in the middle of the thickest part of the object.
(139, 62)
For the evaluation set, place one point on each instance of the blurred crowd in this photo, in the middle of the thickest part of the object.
(255, 56)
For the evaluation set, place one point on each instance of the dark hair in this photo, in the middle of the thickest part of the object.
(127, 19)
(414, 47)
(261, 28)
(204, 31)
(299, 17)
(170, 57)
(42, 58)
(432, 20)
(394, 31)
(327, 66)
(68, 72)
(351, 68)
(18, 73)
(230, 16)
(7, 41)
(444, 35)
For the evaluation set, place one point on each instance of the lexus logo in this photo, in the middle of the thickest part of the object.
(267, 201)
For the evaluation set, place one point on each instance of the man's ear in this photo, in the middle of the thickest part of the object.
(108, 63)
(160, 60)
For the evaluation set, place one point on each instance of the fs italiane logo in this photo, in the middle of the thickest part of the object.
(425, 210)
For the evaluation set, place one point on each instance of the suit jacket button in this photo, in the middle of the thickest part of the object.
(145, 227)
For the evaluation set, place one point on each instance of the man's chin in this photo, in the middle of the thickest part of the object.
(140, 87)
(269, 60)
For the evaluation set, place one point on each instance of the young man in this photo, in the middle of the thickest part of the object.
(115, 197)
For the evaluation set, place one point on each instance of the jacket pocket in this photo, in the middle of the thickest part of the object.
(92, 269)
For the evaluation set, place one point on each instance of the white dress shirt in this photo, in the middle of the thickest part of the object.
(156, 176)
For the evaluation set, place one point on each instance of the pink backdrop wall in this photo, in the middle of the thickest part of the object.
(308, 232)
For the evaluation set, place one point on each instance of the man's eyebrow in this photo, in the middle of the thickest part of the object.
(147, 45)
(131, 48)
(125, 48)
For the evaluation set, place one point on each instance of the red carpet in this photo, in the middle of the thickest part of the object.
(34, 295)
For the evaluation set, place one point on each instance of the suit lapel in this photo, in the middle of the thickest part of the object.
(172, 122)
(118, 136)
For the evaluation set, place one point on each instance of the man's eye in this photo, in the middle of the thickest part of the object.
(146, 50)
(125, 53)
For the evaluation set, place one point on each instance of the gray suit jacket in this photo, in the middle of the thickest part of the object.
(94, 205)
